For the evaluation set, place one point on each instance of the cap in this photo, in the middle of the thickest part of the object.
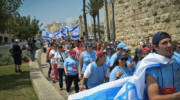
(99, 53)
(16, 40)
(159, 36)
(121, 45)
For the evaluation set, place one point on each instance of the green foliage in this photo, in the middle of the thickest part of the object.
(7, 10)
(24, 27)
(16, 86)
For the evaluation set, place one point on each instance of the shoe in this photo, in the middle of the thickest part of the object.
(54, 81)
(61, 88)
(19, 70)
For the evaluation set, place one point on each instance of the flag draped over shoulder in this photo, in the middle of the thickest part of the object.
(129, 88)
(46, 34)
(75, 32)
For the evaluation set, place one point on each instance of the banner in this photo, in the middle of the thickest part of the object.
(46, 34)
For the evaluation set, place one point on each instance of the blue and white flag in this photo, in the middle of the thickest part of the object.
(46, 34)
(58, 35)
(75, 32)
(129, 88)
(64, 30)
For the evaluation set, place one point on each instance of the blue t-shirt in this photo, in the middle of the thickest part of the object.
(71, 65)
(176, 56)
(88, 57)
(125, 72)
(98, 75)
(166, 75)
(130, 59)
(108, 60)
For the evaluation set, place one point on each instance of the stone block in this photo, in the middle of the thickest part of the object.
(177, 23)
(165, 17)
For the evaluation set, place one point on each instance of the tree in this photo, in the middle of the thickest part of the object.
(85, 21)
(7, 9)
(113, 21)
(107, 20)
(24, 27)
(93, 10)
(100, 4)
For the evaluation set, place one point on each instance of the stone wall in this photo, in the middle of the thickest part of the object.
(136, 19)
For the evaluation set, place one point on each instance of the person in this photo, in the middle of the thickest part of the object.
(86, 57)
(95, 73)
(120, 49)
(163, 80)
(121, 70)
(176, 54)
(54, 70)
(137, 58)
(71, 71)
(17, 56)
(31, 43)
(59, 59)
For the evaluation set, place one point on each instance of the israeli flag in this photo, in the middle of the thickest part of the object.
(129, 88)
(64, 30)
(75, 32)
(46, 34)
(58, 35)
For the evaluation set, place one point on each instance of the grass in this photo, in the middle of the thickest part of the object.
(16, 86)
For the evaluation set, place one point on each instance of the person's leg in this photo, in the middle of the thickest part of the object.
(50, 67)
(69, 82)
(16, 70)
(75, 78)
(61, 70)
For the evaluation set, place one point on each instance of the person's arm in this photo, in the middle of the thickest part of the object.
(80, 66)
(153, 90)
(87, 74)
(119, 74)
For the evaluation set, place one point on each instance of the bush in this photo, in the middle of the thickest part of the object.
(25, 56)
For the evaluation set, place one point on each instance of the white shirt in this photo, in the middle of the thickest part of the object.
(87, 72)
(59, 58)
(52, 52)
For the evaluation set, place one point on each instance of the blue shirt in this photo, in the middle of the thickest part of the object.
(71, 65)
(176, 56)
(166, 75)
(130, 60)
(108, 60)
(125, 72)
(88, 57)
(98, 75)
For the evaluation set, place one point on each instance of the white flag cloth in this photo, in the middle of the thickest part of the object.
(75, 32)
(129, 88)
(46, 34)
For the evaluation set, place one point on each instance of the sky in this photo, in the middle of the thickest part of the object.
(48, 11)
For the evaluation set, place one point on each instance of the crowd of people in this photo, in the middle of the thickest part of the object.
(90, 63)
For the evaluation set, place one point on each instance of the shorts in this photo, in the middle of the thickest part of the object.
(17, 60)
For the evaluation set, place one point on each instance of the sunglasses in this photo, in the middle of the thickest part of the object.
(124, 58)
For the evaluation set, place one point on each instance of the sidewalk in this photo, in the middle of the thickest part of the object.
(43, 88)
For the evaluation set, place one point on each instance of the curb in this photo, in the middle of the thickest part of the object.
(43, 88)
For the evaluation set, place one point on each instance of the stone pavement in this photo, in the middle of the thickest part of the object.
(44, 88)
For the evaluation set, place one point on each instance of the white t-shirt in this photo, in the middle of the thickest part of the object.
(87, 72)
(59, 58)
(52, 52)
